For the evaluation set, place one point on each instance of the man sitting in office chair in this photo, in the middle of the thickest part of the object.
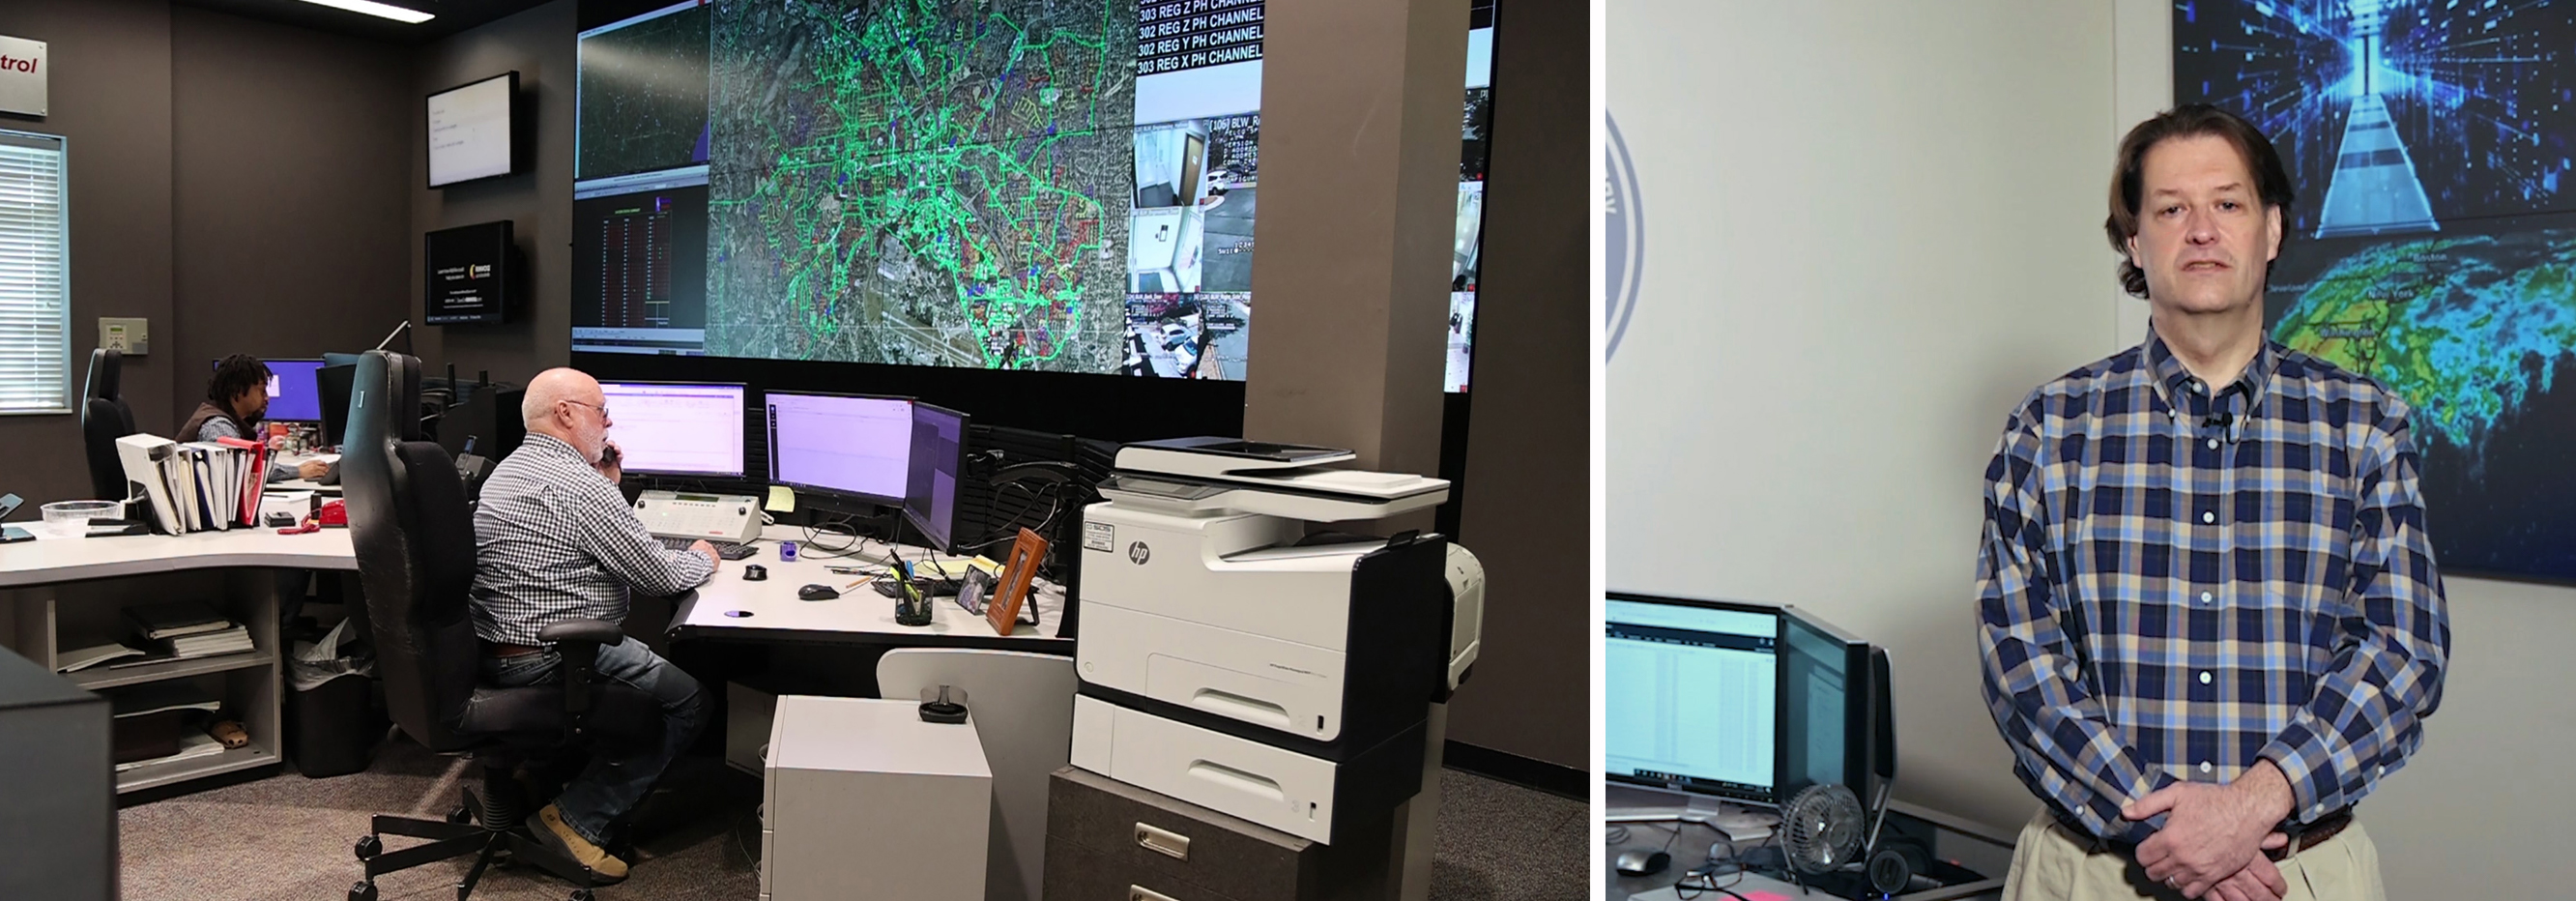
(555, 540)
(236, 398)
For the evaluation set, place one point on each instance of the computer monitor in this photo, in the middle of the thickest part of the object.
(851, 446)
(1690, 698)
(1830, 706)
(1740, 702)
(293, 395)
(677, 428)
(931, 483)
(333, 384)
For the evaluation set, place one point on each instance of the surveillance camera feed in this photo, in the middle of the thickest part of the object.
(1006, 184)
(2431, 246)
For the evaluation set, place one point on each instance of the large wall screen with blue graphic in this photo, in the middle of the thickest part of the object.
(1012, 184)
(2433, 243)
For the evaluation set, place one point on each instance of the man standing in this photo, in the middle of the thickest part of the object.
(555, 540)
(2207, 606)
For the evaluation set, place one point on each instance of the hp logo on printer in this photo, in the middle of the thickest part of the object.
(1138, 553)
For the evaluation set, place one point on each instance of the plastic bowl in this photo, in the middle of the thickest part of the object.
(79, 511)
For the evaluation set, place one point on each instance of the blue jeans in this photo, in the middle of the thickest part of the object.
(611, 785)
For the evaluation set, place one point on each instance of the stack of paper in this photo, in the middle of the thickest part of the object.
(184, 629)
(83, 658)
(191, 746)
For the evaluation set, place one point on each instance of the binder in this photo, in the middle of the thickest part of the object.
(143, 457)
(253, 458)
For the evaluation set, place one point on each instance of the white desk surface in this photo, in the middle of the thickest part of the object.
(774, 607)
(869, 735)
(74, 559)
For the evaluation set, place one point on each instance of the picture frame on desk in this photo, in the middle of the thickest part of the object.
(1018, 571)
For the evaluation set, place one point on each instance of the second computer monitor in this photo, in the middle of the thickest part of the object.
(930, 486)
(845, 445)
(677, 428)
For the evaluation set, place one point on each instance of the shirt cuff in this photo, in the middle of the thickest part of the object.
(2303, 758)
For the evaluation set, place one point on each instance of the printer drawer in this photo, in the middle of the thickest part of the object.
(1104, 836)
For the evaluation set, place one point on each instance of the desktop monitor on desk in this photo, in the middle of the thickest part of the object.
(293, 392)
(931, 480)
(848, 448)
(677, 428)
(1710, 701)
(332, 384)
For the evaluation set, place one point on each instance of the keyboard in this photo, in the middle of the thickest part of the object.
(725, 549)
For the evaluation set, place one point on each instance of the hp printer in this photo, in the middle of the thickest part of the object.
(1232, 660)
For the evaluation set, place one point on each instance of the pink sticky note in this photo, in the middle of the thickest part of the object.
(1765, 896)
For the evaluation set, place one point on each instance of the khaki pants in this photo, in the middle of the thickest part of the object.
(2053, 864)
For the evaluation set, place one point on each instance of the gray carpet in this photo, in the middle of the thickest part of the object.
(289, 837)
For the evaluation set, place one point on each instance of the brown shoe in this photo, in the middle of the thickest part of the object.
(554, 833)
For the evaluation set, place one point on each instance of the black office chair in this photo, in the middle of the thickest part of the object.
(105, 418)
(415, 547)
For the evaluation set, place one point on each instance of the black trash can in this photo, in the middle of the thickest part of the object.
(332, 729)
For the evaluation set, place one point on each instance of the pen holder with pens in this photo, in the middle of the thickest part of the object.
(911, 607)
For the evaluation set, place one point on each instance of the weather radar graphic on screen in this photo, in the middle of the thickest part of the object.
(2432, 246)
(1059, 185)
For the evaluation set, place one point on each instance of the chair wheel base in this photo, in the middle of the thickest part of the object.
(364, 891)
(366, 849)
(581, 894)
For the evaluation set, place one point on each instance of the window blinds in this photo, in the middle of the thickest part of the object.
(35, 296)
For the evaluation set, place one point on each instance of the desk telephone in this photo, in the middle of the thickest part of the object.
(715, 517)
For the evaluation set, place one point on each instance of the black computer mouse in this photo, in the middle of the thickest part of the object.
(818, 592)
(1642, 863)
(754, 573)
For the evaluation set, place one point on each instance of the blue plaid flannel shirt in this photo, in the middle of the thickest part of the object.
(2173, 585)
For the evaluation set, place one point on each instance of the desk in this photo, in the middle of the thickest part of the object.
(1948, 838)
(860, 616)
(67, 593)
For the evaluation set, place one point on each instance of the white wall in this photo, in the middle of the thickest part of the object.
(1871, 227)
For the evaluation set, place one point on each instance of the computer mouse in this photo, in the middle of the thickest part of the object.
(754, 573)
(1642, 863)
(818, 592)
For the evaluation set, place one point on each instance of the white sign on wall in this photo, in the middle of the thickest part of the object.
(22, 76)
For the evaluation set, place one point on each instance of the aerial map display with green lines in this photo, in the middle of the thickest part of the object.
(1052, 185)
(921, 181)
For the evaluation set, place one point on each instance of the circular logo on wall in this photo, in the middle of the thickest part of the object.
(1623, 241)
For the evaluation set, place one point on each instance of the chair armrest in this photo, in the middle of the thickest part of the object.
(597, 632)
(579, 641)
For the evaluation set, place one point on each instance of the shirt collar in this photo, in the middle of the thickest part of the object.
(552, 445)
(2173, 380)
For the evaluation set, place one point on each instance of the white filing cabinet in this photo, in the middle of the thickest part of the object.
(863, 796)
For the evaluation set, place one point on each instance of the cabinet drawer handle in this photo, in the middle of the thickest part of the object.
(1141, 893)
(1163, 841)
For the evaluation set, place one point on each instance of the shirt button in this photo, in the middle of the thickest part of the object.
(2204, 766)
(2213, 444)
(2204, 597)
(2207, 516)
(2204, 677)
(2194, 385)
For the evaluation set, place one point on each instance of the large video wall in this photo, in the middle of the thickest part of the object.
(2433, 244)
(1007, 184)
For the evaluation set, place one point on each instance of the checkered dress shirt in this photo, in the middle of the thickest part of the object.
(553, 540)
(2173, 585)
